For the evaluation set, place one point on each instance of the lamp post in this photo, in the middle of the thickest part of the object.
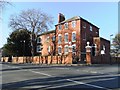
(23, 50)
(110, 47)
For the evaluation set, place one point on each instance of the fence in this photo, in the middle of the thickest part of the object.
(65, 59)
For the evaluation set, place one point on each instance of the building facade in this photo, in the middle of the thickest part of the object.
(74, 32)
(46, 43)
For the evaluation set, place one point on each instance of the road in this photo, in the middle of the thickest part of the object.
(43, 77)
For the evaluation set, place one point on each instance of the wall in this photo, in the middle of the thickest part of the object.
(69, 31)
(65, 59)
(58, 60)
(98, 58)
(46, 41)
(86, 35)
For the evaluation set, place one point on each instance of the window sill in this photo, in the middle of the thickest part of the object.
(74, 41)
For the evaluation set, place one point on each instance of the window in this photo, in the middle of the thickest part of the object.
(84, 38)
(59, 38)
(90, 28)
(53, 38)
(73, 24)
(84, 26)
(39, 49)
(96, 32)
(66, 48)
(66, 25)
(74, 48)
(48, 48)
(66, 38)
(38, 40)
(59, 50)
(48, 38)
(73, 36)
(59, 27)
(103, 47)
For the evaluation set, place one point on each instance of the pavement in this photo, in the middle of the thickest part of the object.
(49, 77)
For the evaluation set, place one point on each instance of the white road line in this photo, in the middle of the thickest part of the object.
(87, 84)
(41, 73)
(93, 72)
(60, 86)
(104, 79)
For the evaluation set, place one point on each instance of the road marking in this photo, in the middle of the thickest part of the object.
(104, 79)
(60, 86)
(87, 84)
(93, 72)
(41, 73)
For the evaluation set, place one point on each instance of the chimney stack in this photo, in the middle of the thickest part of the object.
(61, 17)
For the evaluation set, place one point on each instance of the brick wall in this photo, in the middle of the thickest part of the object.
(65, 59)
(100, 42)
(46, 42)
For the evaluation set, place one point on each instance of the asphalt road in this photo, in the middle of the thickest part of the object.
(42, 77)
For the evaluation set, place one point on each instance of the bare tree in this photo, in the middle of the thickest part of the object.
(3, 3)
(33, 20)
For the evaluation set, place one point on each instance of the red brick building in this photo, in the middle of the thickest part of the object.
(46, 43)
(74, 32)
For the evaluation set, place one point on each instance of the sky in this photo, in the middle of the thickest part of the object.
(102, 14)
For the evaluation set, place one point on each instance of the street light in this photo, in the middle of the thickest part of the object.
(110, 39)
(23, 50)
(110, 47)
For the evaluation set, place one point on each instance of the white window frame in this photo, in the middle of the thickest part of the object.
(66, 51)
(60, 27)
(39, 48)
(38, 40)
(48, 38)
(65, 38)
(73, 24)
(59, 38)
(72, 47)
(48, 48)
(75, 37)
(58, 49)
(53, 38)
(91, 29)
(66, 25)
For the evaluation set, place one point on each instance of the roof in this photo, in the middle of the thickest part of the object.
(71, 19)
(104, 39)
(48, 32)
(76, 18)
(101, 38)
